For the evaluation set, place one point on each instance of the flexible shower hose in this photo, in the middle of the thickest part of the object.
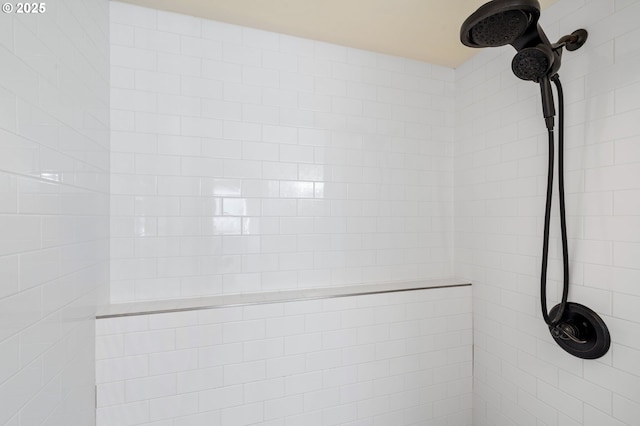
(547, 215)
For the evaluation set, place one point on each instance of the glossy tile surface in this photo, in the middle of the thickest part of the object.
(520, 375)
(395, 358)
(306, 164)
(54, 207)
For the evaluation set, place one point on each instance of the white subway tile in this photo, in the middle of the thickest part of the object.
(245, 414)
(155, 165)
(200, 379)
(304, 343)
(285, 366)
(220, 355)
(341, 413)
(125, 414)
(279, 134)
(243, 331)
(241, 207)
(20, 233)
(215, 30)
(263, 349)
(111, 370)
(135, 100)
(8, 109)
(173, 406)
(121, 325)
(260, 151)
(296, 117)
(196, 166)
(153, 81)
(9, 354)
(217, 108)
(179, 64)
(303, 383)
(228, 396)
(245, 372)
(172, 361)
(279, 171)
(122, 120)
(111, 346)
(20, 311)
(121, 34)
(624, 409)
(594, 417)
(130, 57)
(264, 390)
(177, 23)
(221, 71)
(148, 342)
(150, 387)
(241, 54)
(586, 391)
(209, 418)
(314, 102)
(242, 131)
(178, 105)
(223, 226)
(157, 40)
(279, 98)
(201, 127)
(200, 47)
(110, 394)
(283, 407)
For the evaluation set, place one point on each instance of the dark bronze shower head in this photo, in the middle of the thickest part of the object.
(532, 63)
(501, 22)
(515, 22)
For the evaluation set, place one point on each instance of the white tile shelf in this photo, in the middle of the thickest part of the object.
(222, 301)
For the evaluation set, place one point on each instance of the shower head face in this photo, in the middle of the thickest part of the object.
(532, 63)
(499, 29)
(501, 22)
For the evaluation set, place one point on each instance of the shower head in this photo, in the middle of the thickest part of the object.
(515, 22)
(501, 22)
(532, 63)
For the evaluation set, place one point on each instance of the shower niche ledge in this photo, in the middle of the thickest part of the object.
(223, 301)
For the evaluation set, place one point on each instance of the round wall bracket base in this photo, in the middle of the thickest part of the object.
(581, 332)
(580, 39)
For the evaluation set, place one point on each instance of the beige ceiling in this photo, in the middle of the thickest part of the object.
(427, 30)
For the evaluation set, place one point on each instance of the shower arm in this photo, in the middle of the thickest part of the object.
(571, 42)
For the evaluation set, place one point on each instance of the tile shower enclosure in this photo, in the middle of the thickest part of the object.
(248, 161)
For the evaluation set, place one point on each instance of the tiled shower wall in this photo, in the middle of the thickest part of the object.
(385, 359)
(54, 197)
(245, 161)
(521, 377)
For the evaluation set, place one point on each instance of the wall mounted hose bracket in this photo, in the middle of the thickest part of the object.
(576, 328)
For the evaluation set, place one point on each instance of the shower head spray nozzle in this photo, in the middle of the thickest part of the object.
(532, 63)
(500, 22)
